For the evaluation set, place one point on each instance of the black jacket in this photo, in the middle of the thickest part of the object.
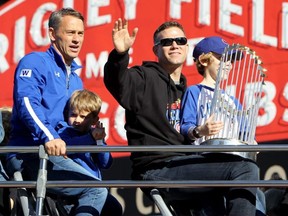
(145, 92)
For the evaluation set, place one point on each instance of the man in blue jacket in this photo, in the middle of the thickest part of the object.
(43, 83)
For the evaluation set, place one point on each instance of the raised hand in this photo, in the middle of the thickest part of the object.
(121, 38)
(98, 132)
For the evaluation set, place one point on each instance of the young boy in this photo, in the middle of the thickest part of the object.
(196, 124)
(83, 128)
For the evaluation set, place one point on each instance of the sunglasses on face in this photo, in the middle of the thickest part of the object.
(169, 41)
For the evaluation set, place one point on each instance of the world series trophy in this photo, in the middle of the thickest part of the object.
(236, 98)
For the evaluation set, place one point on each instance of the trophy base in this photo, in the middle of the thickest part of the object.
(218, 141)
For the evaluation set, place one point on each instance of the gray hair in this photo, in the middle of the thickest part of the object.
(55, 17)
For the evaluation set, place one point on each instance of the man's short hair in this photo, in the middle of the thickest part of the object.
(164, 26)
(56, 16)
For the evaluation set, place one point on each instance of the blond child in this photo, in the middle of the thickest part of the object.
(82, 127)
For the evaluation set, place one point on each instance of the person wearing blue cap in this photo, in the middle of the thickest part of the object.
(207, 54)
(196, 123)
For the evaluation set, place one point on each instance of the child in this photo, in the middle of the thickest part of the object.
(83, 128)
(196, 124)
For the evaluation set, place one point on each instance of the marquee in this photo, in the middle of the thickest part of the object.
(258, 24)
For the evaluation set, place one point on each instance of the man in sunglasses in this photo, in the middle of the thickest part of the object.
(151, 95)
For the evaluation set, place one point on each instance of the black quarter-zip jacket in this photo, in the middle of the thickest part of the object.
(146, 93)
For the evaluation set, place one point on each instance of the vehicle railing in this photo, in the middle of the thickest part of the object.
(134, 183)
(149, 184)
(41, 184)
(174, 148)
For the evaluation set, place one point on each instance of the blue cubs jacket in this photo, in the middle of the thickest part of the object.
(42, 88)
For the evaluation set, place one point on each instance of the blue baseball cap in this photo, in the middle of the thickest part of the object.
(213, 44)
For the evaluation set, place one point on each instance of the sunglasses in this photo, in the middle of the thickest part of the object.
(169, 41)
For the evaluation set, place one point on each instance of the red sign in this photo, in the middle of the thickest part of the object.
(260, 25)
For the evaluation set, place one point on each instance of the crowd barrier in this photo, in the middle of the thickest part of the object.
(41, 184)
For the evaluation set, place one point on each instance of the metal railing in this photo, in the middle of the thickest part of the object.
(41, 185)
(133, 183)
(174, 148)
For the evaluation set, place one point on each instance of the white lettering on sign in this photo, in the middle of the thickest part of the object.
(4, 45)
(285, 95)
(267, 104)
(204, 12)
(93, 17)
(95, 67)
(285, 25)
(143, 207)
(227, 9)
(258, 25)
(114, 192)
(68, 3)
(20, 39)
(120, 122)
(37, 24)
(175, 8)
(145, 210)
(130, 9)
